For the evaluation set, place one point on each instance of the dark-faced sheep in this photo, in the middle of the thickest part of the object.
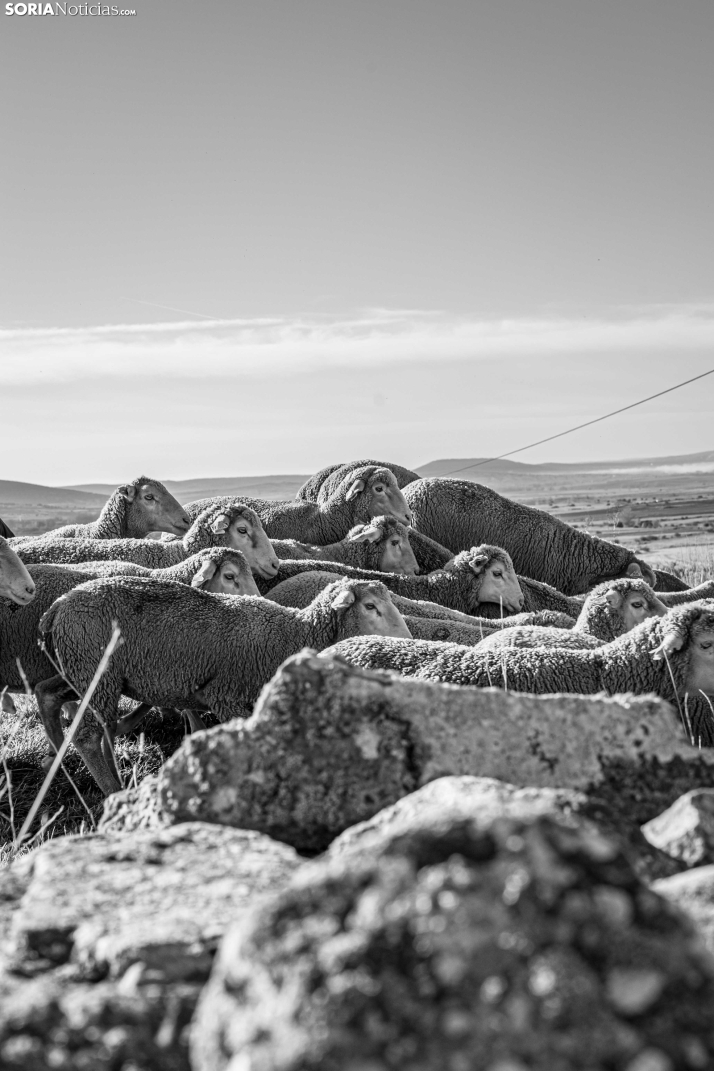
(363, 494)
(236, 526)
(131, 512)
(671, 656)
(459, 514)
(183, 648)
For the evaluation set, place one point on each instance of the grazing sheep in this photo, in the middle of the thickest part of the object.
(216, 569)
(382, 545)
(183, 648)
(236, 526)
(364, 493)
(16, 583)
(458, 514)
(672, 656)
(131, 512)
(610, 610)
(321, 486)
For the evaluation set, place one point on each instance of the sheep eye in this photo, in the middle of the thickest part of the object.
(379, 487)
(370, 606)
(243, 531)
(149, 498)
(499, 573)
(395, 542)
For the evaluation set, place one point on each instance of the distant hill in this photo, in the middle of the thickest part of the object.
(12, 491)
(469, 468)
(270, 487)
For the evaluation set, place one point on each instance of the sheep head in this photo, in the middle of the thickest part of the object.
(225, 572)
(151, 508)
(378, 491)
(364, 608)
(617, 606)
(16, 583)
(492, 577)
(392, 550)
(242, 530)
(689, 630)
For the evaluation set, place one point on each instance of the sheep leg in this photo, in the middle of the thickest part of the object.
(90, 748)
(131, 721)
(107, 745)
(51, 695)
(197, 723)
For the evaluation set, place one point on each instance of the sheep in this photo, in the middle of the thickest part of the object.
(16, 583)
(382, 545)
(236, 526)
(320, 486)
(426, 620)
(216, 569)
(671, 656)
(364, 493)
(679, 598)
(184, 648)
(665, 581)
(610, 610)
(131, 512)
(5, 531)
(458, 514)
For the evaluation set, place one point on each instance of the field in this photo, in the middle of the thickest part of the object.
(661, 509)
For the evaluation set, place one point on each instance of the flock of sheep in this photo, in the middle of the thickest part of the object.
(437, 579)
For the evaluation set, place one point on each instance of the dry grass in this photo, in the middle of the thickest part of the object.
(23, 745)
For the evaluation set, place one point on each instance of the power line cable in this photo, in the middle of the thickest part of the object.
(510, 453)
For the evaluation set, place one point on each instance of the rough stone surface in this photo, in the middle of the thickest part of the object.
(693, 892)
(110, 939)
(493, 947)
(482, 799)
(329, 745)
(686, 829)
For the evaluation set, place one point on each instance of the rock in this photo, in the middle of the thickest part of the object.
(686, 829)
(693, 893)
(441, 803)
(112, 937)
(329, 745)
(482, 946)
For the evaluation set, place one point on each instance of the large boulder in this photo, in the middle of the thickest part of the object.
(495, 946)
(110, 939)
(329, 745)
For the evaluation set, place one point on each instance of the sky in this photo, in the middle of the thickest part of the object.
(259, 237)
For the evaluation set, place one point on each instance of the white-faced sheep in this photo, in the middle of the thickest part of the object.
(671, 656)
(16, 584)
(183, 648)
(364, 493)
(382, 545)
(458, 514)
(236, 526)
(323, 484)
(610, 610)
(131, 512)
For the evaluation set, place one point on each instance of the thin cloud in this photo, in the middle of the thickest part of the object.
(234, 348)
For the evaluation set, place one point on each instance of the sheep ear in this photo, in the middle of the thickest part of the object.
(613, 598)
(204, 574)
(356, 488)
(127, 491)
(367, 535)
(633, 569)
(219, 523)
(343, 599)
(478, 564)
(7, 703)
(672, 642)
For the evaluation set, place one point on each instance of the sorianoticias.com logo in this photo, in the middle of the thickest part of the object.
(66, 9)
